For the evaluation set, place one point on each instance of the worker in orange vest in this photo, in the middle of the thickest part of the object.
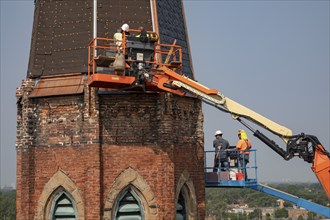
(243, 145)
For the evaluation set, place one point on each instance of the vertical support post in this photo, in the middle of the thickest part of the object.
(205, 166)
(153, 16)
(95, 24)
(255, 165)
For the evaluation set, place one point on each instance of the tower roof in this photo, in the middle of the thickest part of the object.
(62, 30)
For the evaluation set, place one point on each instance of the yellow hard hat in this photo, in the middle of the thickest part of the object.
(153, 37)
(243, 134)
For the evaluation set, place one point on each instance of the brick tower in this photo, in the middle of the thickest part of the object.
(86, 153)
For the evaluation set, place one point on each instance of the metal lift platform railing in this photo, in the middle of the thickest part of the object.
(232, 175)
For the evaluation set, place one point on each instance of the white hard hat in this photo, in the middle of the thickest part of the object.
(218, 132)
(125, 27)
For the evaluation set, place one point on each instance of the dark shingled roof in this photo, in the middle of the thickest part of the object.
(63, 28)
(172, 26)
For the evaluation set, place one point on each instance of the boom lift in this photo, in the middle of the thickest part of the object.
(151, 66)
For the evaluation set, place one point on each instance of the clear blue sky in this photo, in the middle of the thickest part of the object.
(271, 56)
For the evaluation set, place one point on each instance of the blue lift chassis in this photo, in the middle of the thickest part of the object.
(223, 177)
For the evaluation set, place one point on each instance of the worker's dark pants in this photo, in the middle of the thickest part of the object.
(243, 161)
(224, 165)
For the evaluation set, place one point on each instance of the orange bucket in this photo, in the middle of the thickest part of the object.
(240, 176)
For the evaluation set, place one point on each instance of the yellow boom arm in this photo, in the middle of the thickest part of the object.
(307, 147)
(217, 98)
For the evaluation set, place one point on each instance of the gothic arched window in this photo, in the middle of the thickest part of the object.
(128, 206)
(63, 207)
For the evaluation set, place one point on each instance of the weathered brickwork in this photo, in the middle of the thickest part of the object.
(92, 140)
(153, 118)
(95, 146)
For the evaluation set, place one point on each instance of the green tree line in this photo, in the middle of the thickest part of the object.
(8, 205)
(219, 199)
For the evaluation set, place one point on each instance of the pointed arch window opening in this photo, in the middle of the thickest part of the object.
(129, 206)
(63, 207)
(181, 210)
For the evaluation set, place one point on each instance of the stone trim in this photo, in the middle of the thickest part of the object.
(131, 178)
(186, 186)
(59, 180)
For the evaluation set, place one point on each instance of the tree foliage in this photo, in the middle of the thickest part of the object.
(281, 213)
(8, 204)
(219, 199)
(256, 214)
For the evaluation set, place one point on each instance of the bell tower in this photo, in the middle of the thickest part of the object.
(91, 153)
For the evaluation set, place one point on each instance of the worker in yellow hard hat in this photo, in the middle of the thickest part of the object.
(243, 145)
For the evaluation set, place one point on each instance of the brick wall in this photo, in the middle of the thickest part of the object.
(94, 138)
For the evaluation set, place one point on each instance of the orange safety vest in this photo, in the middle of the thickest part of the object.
(243, 146)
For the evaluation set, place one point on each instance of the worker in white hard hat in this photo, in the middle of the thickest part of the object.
(125, 30)
(120, 35)
(220, 146)
(125, 27)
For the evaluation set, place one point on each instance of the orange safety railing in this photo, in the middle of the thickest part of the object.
(164, 54)
(94, 47)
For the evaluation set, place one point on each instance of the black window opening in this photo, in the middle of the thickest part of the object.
(63, 207)
(129, 207)
(181, 211)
